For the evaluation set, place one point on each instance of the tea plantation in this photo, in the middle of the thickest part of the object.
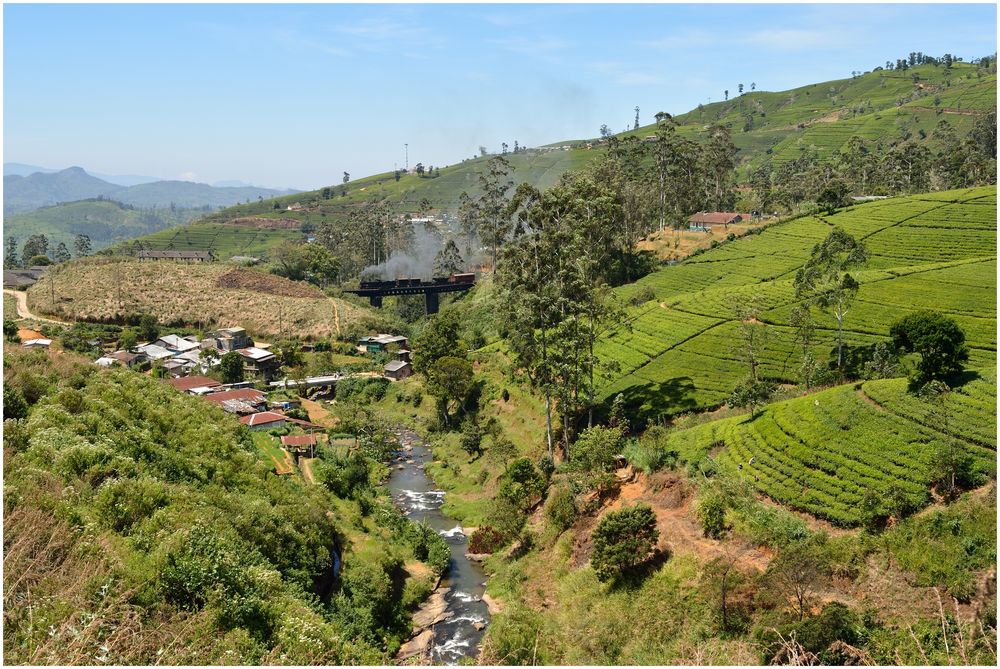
(679, 352)
(822, 453)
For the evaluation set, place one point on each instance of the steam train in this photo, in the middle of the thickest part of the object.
(468, 277)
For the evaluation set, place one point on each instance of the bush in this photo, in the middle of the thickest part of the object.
(712, 514)
(14, 404)
(560, 509)
(486, 539)
(623, 540)
(648, 454)
(596, 449)
(641, 296)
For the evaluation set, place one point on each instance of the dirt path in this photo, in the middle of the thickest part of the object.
(336, 314)
(22, 307)
(305, 465)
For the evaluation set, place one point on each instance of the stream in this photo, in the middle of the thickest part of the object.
(414, 493)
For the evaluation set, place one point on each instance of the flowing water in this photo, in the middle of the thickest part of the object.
(414, 492)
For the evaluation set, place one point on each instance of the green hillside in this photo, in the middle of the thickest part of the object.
(106, 222)
(934, 251)
(883, 105)
(222, 239)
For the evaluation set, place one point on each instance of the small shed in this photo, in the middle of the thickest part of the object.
(398, 370)
(37, 343)
(300, 444)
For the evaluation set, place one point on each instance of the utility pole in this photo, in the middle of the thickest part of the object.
(406, 149)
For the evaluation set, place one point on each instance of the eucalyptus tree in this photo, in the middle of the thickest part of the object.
(825, 279)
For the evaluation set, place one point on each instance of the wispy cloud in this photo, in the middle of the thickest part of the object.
(769, 39)
(295, 41)
(382, 29)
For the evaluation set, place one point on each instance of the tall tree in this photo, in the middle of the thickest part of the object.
(825, 279)
(491, 207)
(448, 260)
(36, 245)
(82, 246)
(10, 253)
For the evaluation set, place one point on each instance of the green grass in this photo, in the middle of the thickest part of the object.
(9, 307)
(928, 252)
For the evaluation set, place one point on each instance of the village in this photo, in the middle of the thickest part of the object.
(285, 430)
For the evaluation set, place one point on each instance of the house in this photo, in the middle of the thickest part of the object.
(705, 220)
(21, 279)
(37, 343)
(155, 352)
(300, 444)
(398, 369)
(177, 256)
(403, 354)
(231, 339)
(130, 359)
(194, 385)
(258, 361)
(176, 368)
(177, 344)
(243, 401)
(265, 420)
(381, 342)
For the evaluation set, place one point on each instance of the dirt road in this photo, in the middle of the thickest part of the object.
(22, 307)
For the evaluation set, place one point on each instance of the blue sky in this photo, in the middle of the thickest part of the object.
(294, 95)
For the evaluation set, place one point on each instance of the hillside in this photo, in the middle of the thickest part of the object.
(881, 105)
(265, 304)
(106, 222)
(825, 452)
(26, 193)
(934, 251)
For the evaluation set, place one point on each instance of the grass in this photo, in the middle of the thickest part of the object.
(273, 452)
(928, 252)
(225, 241)
(188, 294)
(9, 307)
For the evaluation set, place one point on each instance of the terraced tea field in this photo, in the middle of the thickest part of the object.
(935, 251)
(822, 453)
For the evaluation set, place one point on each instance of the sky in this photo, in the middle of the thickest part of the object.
(295, 95)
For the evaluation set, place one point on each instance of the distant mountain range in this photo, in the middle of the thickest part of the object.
(27, 192)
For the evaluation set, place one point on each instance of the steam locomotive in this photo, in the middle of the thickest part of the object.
(409, 282)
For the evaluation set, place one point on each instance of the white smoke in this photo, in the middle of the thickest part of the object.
(417, 262)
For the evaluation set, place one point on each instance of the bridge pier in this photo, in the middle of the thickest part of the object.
(431, 303)
(375, 301)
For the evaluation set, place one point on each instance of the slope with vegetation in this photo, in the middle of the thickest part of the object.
(883, 107)
(142, 526)
(110, 289)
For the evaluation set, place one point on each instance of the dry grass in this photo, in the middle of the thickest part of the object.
(679, 244)
(179, 294)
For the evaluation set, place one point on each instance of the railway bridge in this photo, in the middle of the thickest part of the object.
(431, 290)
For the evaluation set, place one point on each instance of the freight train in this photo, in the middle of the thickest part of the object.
(410, 282)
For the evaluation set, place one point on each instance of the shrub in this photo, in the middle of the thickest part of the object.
(623, 540)
(641, 296)
(712, 514)
(486, 539)
(560, 509)
(596, 449)
(14, 404)
(122, 503)
(649, 456)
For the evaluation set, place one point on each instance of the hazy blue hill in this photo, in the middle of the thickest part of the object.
(190, 194)
(40, 190)
(104, 221)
